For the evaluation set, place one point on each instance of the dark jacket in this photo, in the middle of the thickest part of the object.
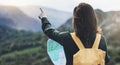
(65, 39)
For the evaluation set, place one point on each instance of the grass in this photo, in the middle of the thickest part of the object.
(29, 50)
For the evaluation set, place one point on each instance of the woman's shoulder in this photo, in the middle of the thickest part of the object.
(103, 42)
(64, 34)
(103, 38)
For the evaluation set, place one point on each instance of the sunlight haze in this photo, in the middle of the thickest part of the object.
(65, 5)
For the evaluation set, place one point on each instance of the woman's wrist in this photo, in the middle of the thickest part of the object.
(44, 20)
(42, 17)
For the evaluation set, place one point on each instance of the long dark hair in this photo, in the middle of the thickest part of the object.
(84, 21)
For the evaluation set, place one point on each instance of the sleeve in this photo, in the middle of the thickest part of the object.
(51, 32)
(103, 46)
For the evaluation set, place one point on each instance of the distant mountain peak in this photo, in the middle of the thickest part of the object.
(26, 18)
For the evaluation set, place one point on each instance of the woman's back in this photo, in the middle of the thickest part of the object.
(65, 39)
(71, 48)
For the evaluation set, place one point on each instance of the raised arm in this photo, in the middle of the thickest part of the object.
(49, 31)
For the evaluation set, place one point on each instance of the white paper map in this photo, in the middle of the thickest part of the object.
(56, 52)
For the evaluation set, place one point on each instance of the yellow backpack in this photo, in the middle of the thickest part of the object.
(88, 56)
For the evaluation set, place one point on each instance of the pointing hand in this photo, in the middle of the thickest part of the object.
(42, 14)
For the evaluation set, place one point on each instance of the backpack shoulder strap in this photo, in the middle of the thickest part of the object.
(97, 41)
(77, 41)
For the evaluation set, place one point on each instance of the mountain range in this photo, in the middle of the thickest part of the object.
(15, 18)
(26, 17)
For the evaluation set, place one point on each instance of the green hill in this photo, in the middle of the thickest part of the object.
(22, 48)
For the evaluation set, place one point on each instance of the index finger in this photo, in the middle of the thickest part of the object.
(41, 10)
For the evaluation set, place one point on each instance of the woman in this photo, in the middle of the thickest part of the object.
(85, 27)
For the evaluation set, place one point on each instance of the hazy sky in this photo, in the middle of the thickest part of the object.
(66, 5)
